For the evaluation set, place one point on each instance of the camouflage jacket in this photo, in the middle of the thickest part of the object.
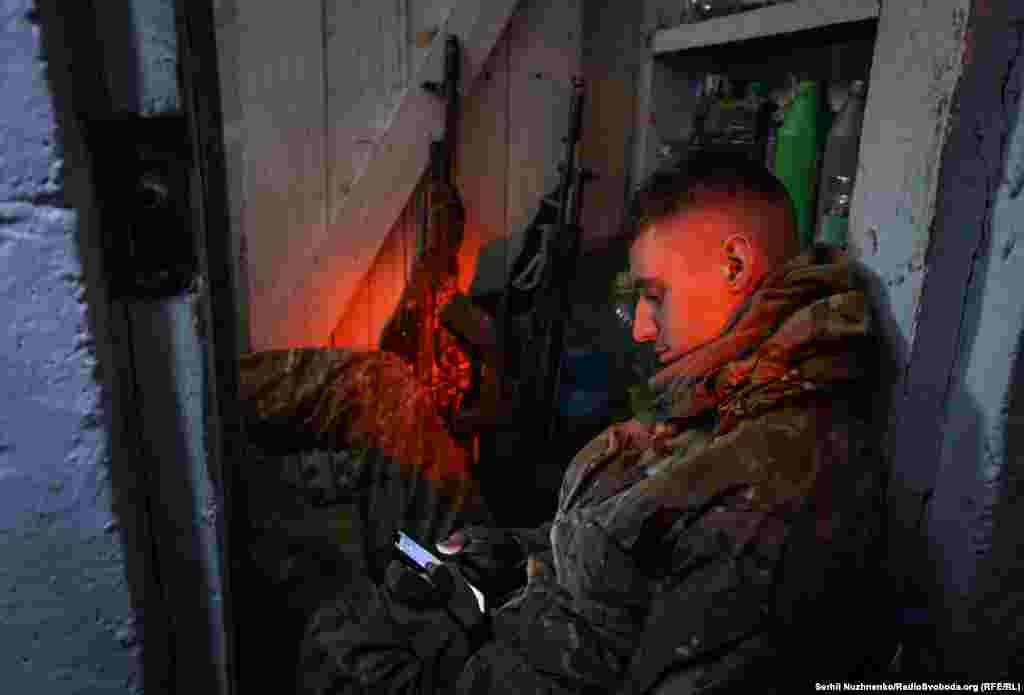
(735, 540)
(725, 543)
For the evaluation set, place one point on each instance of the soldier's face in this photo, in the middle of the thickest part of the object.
(693, 271)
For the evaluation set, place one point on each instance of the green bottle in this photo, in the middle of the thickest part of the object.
(796, 156)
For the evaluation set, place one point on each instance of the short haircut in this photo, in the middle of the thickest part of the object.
(703, 177)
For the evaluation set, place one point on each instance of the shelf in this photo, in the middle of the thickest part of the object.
(766, 21)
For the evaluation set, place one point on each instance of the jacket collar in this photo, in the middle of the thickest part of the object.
(798, 331)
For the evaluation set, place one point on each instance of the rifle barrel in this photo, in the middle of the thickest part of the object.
(452, 76)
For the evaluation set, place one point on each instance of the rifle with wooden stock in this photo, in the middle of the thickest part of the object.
(416, 332)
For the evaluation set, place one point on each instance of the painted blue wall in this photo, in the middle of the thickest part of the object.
(65, 619)
(976, 515)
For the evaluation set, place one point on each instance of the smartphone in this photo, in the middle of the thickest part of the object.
(421, 556)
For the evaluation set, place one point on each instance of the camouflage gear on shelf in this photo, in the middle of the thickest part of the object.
(734, 541)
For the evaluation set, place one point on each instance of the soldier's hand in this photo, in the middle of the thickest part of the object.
(453, 588)
(409, 586)
(440, 587)
(433, 613)
(492, 559)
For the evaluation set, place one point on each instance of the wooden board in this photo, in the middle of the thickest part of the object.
(425, 17)
(283, 100)
(361, 322)
(368, 65)
(366, 71)
(767, 21)
(545, 43)
(229, 36)
(415, 22)
(312, 287)
(482, 172)
(373, 304)
(614, 54)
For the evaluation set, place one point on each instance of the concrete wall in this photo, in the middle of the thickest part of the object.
(993, 374)
(109, 576)
(66, 623)
(972, 297)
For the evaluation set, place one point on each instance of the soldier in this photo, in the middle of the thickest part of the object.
(730, 538)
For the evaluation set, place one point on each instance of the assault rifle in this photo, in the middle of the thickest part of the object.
(536, 306)
(525, 346)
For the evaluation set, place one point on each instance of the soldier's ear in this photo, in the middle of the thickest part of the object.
(737, 262)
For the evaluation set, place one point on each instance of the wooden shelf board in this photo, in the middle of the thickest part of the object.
(766, 21)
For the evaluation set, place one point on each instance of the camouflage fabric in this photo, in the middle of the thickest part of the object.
(363, 447)
(728, 544)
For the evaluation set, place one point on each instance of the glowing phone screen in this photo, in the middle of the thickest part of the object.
(421, 556)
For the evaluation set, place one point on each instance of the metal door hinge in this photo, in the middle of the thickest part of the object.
(141, 169)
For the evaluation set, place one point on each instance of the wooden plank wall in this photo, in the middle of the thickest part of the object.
(615, 51)
(274, 130)
(373, 50)
(229, 36)
(303, 95)
(509, 144)
(307, 87)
